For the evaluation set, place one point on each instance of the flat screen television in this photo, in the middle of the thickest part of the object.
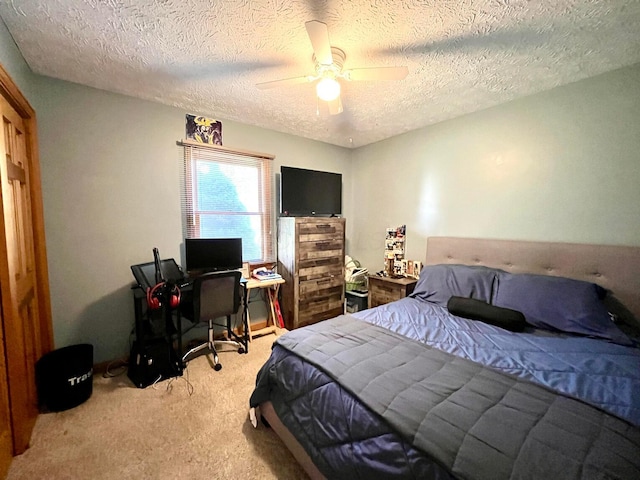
(212, 254)
(310, 192)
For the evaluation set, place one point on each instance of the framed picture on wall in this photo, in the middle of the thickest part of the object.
(203, 130)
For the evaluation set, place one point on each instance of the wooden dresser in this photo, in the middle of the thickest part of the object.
(385, 289)
(311, 261)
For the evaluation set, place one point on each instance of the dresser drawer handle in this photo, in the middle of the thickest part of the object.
(322, 244)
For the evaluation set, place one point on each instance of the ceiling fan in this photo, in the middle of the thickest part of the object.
(329, 62)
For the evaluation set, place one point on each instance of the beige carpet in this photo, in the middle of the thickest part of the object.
(175, 430)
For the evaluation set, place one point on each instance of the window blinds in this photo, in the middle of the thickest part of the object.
(227, 194)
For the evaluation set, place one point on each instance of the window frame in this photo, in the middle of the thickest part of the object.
(191, 214)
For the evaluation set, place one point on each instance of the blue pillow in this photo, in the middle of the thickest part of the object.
(438, 283)
(558, 303)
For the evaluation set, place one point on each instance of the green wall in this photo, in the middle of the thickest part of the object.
(12, 61)
(110, 171)
(561, 165)
(110, 179)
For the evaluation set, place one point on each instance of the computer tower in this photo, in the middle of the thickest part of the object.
(152, 362)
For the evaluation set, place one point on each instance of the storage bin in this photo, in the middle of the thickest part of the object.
(356, 300)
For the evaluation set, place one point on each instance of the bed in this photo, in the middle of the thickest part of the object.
(521, 378)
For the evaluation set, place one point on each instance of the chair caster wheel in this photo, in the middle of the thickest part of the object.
(241, 350)
(217, 367)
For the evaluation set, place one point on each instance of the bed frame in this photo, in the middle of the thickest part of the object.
(616, 268)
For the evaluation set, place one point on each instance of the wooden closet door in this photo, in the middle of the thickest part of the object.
(19, 299)
(25, 307)
(6, 438)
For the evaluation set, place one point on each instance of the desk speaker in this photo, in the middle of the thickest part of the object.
(64, 377)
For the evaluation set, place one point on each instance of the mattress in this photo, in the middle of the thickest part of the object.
(589, 400)
(600, 373)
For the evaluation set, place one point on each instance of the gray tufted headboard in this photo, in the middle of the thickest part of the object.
(616, 268)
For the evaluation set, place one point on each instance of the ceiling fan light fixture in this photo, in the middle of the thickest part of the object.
(328, 89)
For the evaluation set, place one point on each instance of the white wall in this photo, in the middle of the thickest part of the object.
(563, 165)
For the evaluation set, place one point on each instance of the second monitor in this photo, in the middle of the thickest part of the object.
(212, 254)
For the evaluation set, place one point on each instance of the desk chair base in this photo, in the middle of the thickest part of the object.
(210, 345)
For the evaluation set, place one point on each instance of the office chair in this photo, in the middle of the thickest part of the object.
(215, 295)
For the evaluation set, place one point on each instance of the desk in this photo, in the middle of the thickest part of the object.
(142, 323)
(154, 356)
(274, 287)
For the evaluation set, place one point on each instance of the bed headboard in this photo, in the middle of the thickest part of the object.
(616, 268)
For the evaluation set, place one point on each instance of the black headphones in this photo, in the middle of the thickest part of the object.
(153, 293)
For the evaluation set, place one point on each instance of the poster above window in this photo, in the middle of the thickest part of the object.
(203, 130)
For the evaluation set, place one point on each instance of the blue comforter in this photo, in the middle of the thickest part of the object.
(603, 374)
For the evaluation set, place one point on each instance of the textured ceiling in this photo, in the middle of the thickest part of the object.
(206, 56)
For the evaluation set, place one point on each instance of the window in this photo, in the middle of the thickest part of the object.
(227, 194)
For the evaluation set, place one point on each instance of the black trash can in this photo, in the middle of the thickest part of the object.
(64, 377)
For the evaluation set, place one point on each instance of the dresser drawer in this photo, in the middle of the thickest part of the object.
(320, 249)
(386, 290)
(318, 295)
(315, 310)
(380, 297)
(319, 286)
(321, 268)
(310, 229)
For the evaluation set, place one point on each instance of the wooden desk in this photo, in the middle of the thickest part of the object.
(274, 287)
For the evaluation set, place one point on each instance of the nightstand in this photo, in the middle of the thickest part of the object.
(386, 289)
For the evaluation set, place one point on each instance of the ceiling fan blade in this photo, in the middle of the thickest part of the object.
(319, 36)
(335, 106)
(377, 73)
(284, 82)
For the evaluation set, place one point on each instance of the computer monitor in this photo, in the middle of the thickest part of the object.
(145, 273)
(213, 254)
